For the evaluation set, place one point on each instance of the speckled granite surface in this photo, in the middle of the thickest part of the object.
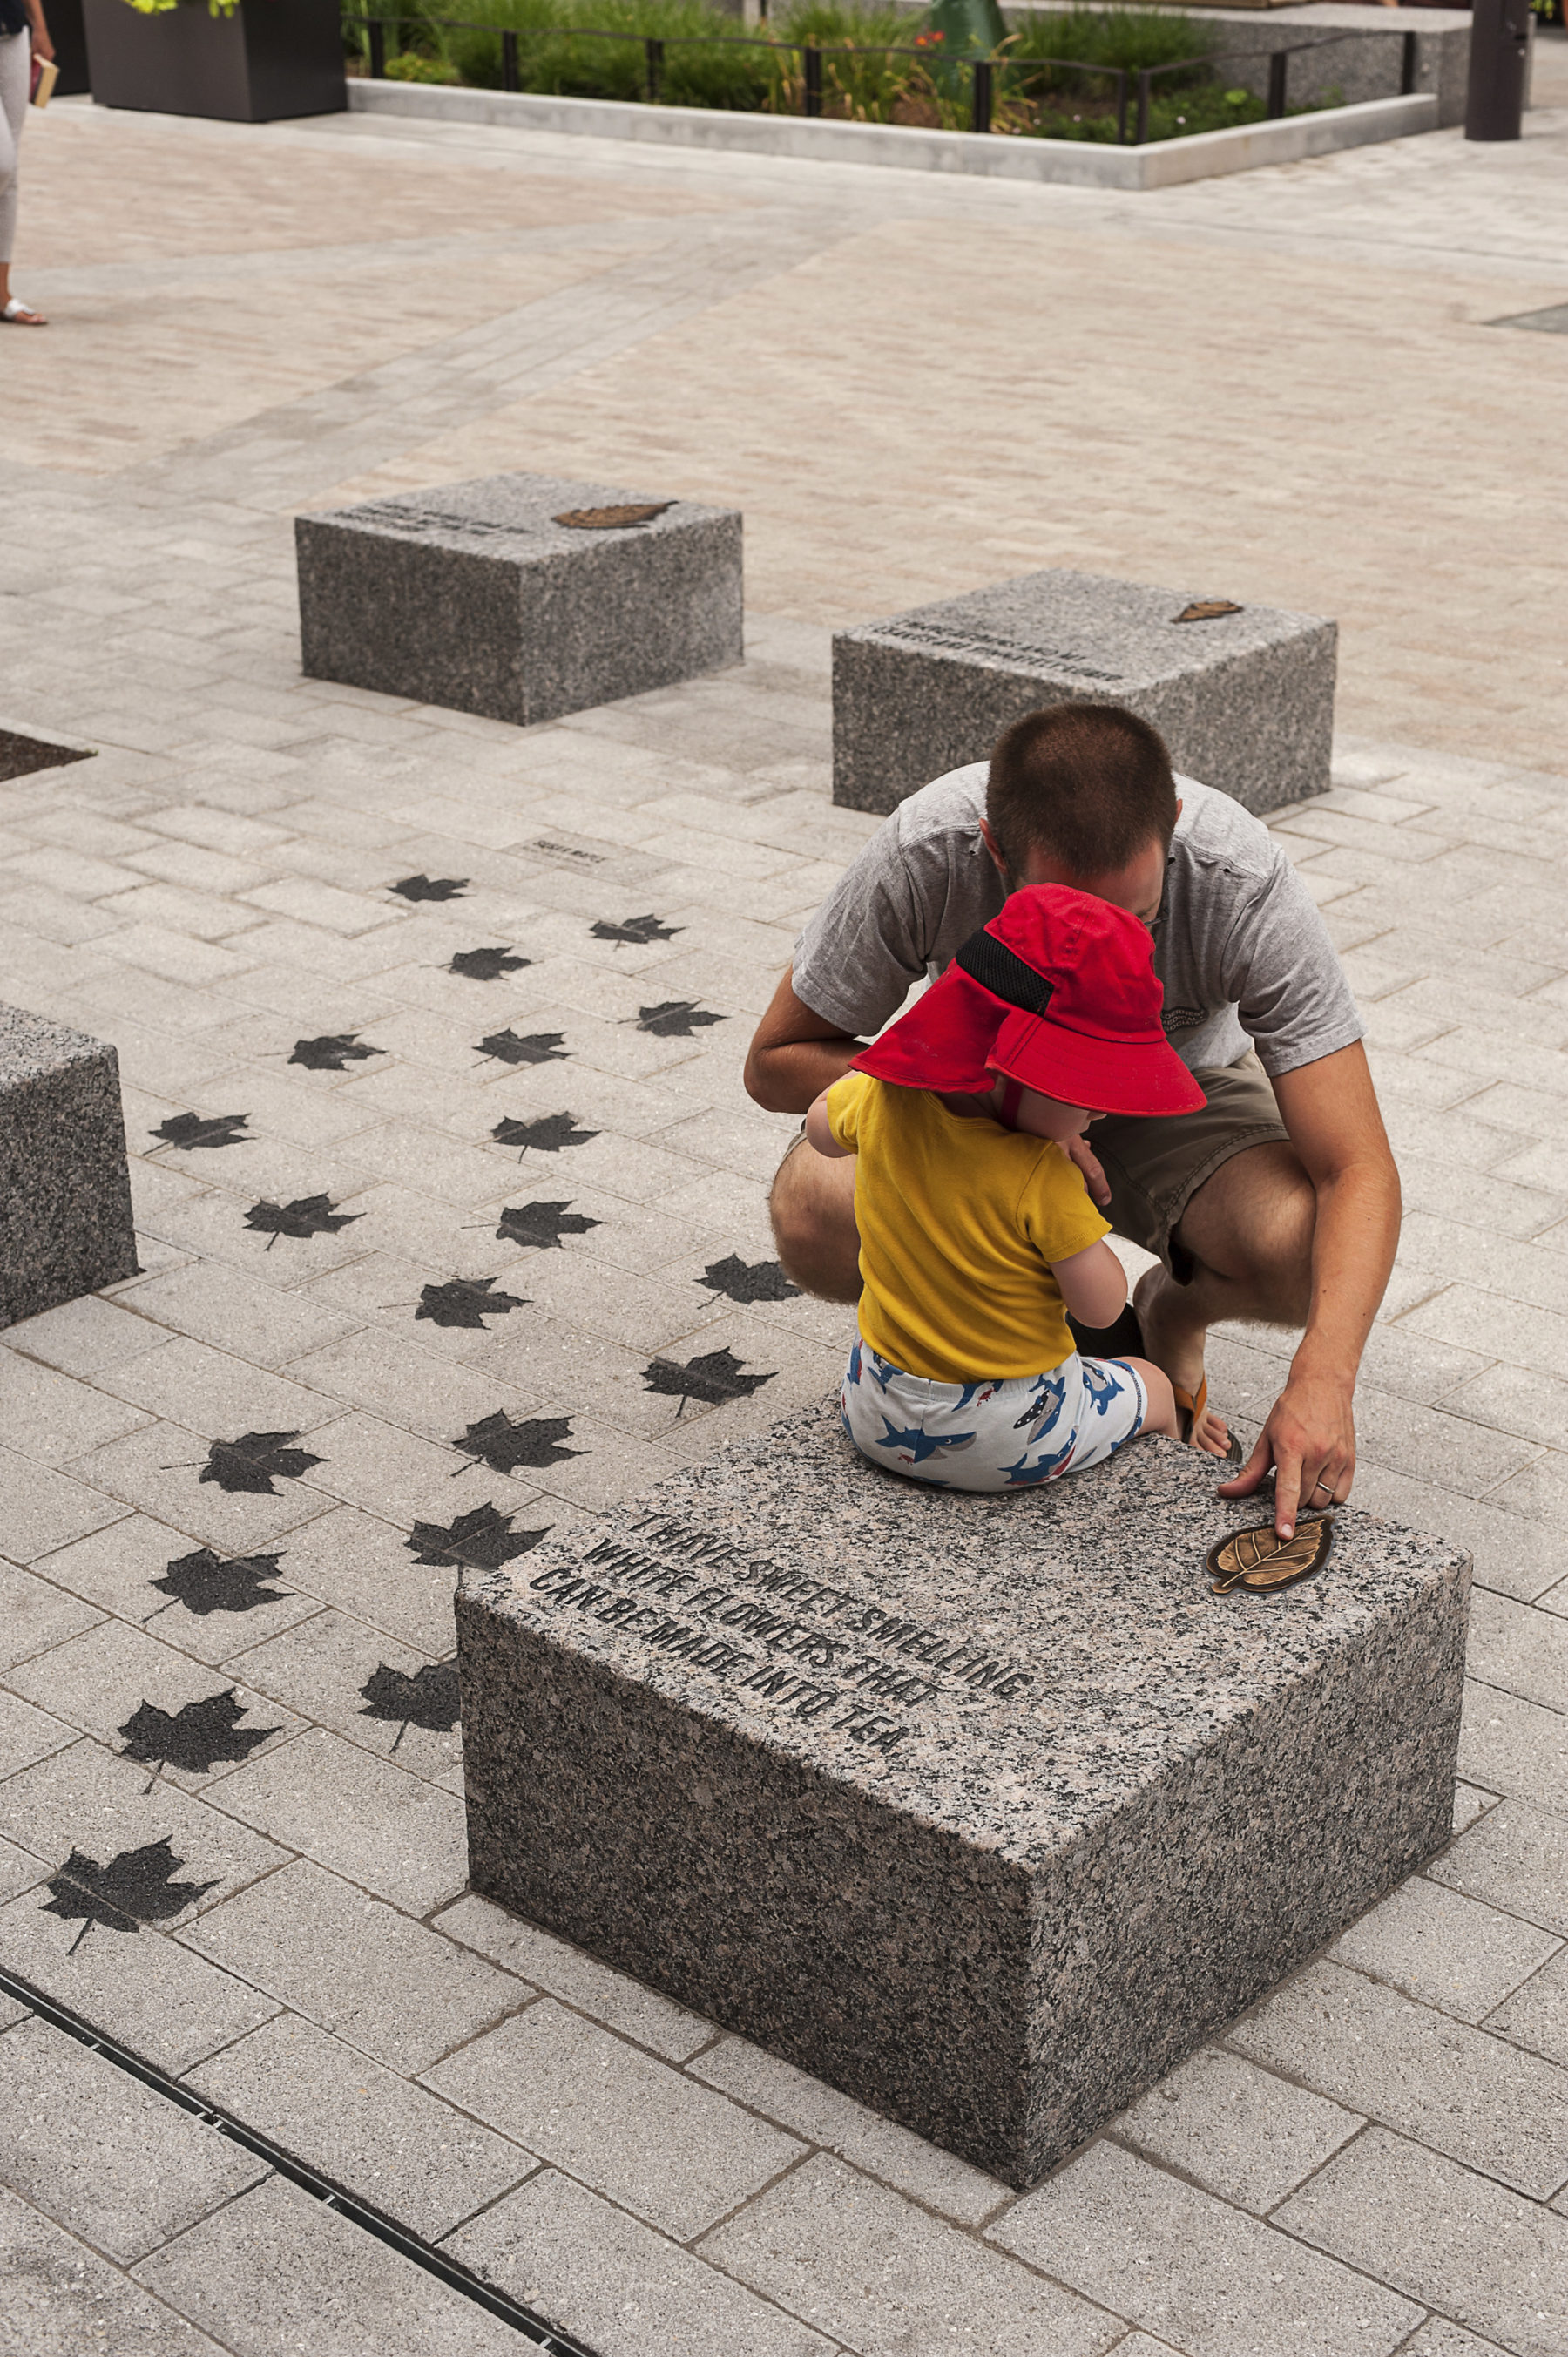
(473, 597)
(1245, 700)
(65, 1189)
(984, 1809)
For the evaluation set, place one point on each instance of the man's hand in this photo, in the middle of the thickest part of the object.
(1080, 1152)
(1310, 1441)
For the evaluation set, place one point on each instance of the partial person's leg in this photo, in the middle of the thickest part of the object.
(1160, 1414)
(15, 63)
(1247, 1233)
(811, 1205)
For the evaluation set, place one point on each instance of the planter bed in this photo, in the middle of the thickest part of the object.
(1156, 165)
(270, 59)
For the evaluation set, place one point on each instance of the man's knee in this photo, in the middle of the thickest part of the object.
(811, 1206)
(1253, 1223)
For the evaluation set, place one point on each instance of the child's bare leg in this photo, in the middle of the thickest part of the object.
(1161, 1413)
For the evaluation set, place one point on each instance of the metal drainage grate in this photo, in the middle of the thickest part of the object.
(1552, 321)
(347, 2205)
(19, 756)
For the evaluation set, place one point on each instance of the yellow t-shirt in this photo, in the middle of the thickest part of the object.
(959, 1221)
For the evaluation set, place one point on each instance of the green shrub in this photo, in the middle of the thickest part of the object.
(411, 67)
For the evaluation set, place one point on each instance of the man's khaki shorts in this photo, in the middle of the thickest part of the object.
(1156, 1167)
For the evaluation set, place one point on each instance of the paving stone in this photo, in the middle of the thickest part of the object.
(216, 1393)
(47, 1415)
(27, 1735)
(138, 1986)
(396, 2146)
(278, 2270)
(1438, 2339)
(19, 1870)
(1510, 1746)
(98, 1682)
(400, 1837)
(1450, 2238)
(325, 1669)
(58, 2299)
(397, 1992)
(119, 1568)
(104, 2155)
(628, 2292)
(580, 1981)
(363, 1566)
(1513, 1859)
(1192, 2270)
(876, 2273)
(238, 1313)
(40, 1510)
(35, 1614)
(1522, 1651)
(1240, 2132)
(1444, 1949)
(877, 2148)
(671, 2152)
(1466, 2093)
(159, 1470)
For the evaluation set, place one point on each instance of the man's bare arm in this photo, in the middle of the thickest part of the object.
(1330, 1109)
(795, 1054)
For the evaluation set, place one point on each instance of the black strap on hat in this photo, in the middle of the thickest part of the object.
(1004, 973)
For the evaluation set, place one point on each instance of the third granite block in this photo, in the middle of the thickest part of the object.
(519, 597)
(986, 1809)
(1242, 694)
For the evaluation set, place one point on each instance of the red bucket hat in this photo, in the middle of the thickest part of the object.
(1059, 993)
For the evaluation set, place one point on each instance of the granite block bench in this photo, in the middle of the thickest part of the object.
(65, 1186)
(1242, 694)
(519, 597)
(985, 1810)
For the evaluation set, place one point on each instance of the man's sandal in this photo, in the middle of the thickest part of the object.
(1191, 1406)
(17, 315)
(1260, 1563)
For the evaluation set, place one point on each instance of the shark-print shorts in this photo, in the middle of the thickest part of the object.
(1008, 1435)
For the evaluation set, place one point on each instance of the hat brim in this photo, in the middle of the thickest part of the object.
(1138, 1077)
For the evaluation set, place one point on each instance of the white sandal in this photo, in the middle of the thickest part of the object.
(17, 315)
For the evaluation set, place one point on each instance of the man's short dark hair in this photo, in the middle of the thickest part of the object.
(1088, 784)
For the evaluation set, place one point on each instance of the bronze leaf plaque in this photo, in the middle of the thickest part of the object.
(1202, 609)
(611, 519)
(1259, 1562)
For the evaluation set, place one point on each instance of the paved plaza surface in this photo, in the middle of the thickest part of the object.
(1280, 387)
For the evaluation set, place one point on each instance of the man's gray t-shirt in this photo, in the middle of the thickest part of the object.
(1243, 953)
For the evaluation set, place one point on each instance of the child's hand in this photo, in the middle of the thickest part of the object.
(819, 1136)
(1082, 1155)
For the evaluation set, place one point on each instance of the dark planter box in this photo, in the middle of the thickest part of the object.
(271, 58)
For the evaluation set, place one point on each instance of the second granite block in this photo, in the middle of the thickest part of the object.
(519, 597)
(983, 1809)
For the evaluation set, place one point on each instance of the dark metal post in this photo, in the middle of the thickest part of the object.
(981, 118)
(511, 78)
(1141, 128)
(1500, 58)
(813, 64)
(1279, 66)
(655, 54)
(377, 33)
(1408, 63)
(1120, 106)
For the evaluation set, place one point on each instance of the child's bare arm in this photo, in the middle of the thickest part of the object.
(1093, 1285)
(819, 1134)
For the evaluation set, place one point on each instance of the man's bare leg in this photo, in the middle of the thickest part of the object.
(1249, 1230)
(811, 1206)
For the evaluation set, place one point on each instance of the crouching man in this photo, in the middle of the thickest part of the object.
(1277, 1203)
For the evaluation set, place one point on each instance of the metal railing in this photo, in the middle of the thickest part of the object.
(1132, 88)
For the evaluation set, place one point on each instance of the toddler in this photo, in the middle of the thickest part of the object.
(977, 1235)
